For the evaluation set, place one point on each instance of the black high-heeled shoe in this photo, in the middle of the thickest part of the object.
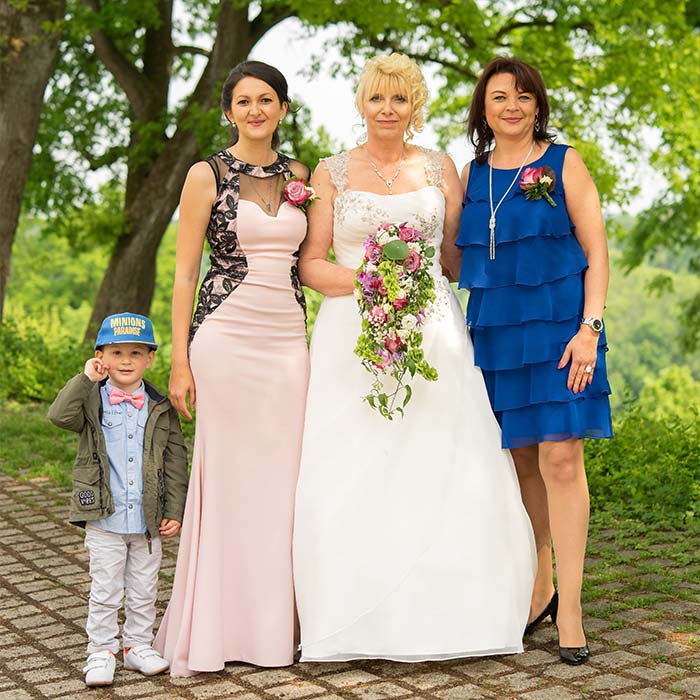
(574, 656)
(550, 610)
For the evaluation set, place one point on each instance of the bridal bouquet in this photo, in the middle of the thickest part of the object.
(393, 288)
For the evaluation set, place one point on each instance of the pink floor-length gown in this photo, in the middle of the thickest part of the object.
(233, 596)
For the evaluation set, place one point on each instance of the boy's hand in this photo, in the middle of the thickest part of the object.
(96, 370)
(168, 527)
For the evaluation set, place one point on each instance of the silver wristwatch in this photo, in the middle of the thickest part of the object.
(595, 324)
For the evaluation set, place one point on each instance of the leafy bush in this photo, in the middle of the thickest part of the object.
(36, 359)
(651, 469)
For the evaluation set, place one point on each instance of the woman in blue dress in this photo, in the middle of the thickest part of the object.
(537, 268)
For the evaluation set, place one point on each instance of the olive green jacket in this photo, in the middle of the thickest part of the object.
(78, 407)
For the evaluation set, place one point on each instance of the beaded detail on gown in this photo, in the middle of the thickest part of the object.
(524, 307)
(410, 539)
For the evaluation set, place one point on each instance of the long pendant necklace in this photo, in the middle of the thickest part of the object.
(492, 219)
(266, 202)
(389, 182)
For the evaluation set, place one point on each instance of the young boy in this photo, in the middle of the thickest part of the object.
(129, 488)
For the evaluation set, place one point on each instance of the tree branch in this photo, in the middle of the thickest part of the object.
(128, 77)
(268, 18)
(185, 49)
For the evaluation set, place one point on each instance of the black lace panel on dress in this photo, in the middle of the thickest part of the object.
(228, 264)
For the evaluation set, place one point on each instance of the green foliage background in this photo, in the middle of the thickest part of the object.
(651, 470)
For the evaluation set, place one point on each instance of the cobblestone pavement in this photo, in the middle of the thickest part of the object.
(642, 605)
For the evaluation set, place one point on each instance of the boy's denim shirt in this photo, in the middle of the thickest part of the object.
(122, 426)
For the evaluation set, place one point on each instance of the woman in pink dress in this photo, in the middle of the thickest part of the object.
(244, 358)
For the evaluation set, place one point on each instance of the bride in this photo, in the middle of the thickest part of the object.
(411, 542)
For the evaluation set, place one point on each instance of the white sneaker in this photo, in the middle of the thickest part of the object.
(145, 660)
(99, 669)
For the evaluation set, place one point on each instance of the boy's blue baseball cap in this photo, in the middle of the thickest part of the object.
(126, 328)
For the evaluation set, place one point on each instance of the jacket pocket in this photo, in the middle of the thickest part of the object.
(113, 426)
(86, 487)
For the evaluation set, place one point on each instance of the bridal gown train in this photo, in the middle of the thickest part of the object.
(411, 541)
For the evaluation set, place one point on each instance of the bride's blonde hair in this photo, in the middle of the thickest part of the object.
(396, 74)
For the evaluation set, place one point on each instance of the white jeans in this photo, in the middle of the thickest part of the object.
(119, 565)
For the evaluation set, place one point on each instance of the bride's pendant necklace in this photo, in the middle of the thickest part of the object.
(492, 219)
(388, 181)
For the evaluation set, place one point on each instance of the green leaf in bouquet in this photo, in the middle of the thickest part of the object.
(409, 393)
(429, 252)
(395, 250)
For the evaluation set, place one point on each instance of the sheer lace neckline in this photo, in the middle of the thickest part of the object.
(250, 168)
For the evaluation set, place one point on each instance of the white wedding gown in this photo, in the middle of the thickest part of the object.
(411, 541)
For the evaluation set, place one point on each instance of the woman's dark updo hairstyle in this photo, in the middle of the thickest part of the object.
(262, 71)
(527, 79)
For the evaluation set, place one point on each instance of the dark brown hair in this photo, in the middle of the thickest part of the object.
(262, 71)
(527, 79)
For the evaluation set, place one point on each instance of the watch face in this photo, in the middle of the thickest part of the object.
(597, 325)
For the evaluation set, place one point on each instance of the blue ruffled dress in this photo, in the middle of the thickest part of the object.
(525, 306)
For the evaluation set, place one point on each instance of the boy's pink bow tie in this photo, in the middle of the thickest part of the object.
(118, 396)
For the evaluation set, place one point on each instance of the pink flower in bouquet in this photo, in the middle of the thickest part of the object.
(400, 303)
(413, 261)
(381, 289)
(297, 192)
(377, 316)
(373, 253)
(530, 177)
(408, 234)
(393, 344)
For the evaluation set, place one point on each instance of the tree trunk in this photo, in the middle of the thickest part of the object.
(28, 47)
(153, 193)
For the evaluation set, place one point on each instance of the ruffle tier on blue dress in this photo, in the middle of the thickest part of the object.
(525, 306)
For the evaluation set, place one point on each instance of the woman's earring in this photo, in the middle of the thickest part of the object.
(537, 122)
(363, 134)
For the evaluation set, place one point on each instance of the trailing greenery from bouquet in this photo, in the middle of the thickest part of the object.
(394, 289)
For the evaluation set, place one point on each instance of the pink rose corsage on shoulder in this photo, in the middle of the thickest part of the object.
(298, 193)
(537, 183)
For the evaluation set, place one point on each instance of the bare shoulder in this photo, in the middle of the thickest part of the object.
(574, 171)
(200, 175)
(465, 173)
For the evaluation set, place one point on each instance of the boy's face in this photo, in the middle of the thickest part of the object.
(126, 363)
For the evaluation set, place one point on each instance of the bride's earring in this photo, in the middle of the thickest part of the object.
(362, 138)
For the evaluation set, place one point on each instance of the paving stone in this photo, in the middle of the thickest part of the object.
(63, 642)
(614, 659)
(44, 675)
(426, 681)
(536, 657)
(627, 636)
(350, 678)
(609, 681)
(690, 686)
(15, 694)
(634, 615)
(298, 689)
(656, 672)
(514, 681)
(135, 687)
(467, 691)
(478, 668)
(215, 691)
(646, 694)
(556, 692)
(661, 647)
(24, 663)
(565, 672)
(51, 690)
(263, 679)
